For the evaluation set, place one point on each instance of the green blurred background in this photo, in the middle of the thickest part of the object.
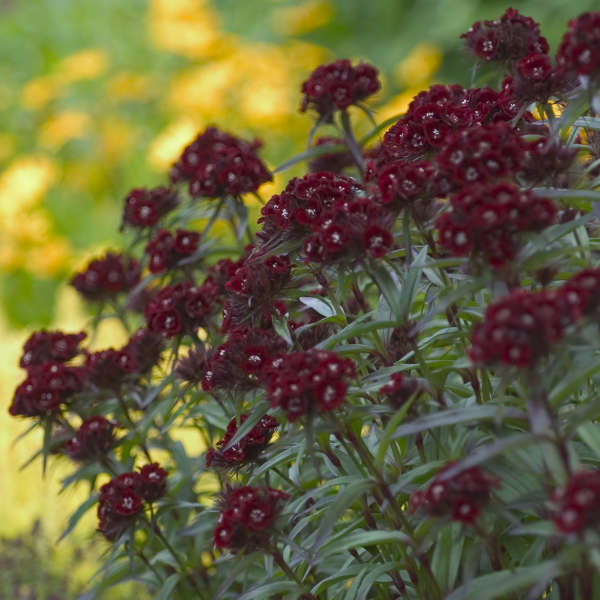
(97, 97)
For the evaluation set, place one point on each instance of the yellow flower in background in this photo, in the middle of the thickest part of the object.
(396, 105)
(7, 146)
(39, 91)
(86, 64)
(116, 136)
(306, 17)
(62, 127)
(127, 85)
(419, 66)
(187, 27)
(24, 182)
(167, 146)
(50, 258)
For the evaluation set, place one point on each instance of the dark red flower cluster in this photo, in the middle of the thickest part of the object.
(402, 183)
(166, 249)
(520, 328)
(434, 116)
(46, 387)
(240, 362)
(399, 390)
(350, 229)
(506, 39)
(43, 346)
(486, 220)
(123, 498)
(106, 277)
(219, 164)
(145, 348)
(478, 155)
(143, 208)
(253, 289)
(179, 308)
(332, 162)
(247, 514)
(292, 212)
(107, 369)
(337, 85)
(461, 496)
(94, 438)
(547, 160)
(579, 50)
(301, 382)
(578, 503)
(248, 448)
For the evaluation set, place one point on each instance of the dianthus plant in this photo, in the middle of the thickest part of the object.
(385, 387)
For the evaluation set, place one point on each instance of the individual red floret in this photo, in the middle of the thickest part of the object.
(461, 496)
(302, 382)
(581, 293)
(152, 482)
(520, 328)
(337, 85)
(247, 449)
(143, 208)
(166, 249)
(579, 50)
(578, 503)
(43, 346)
(399, 390)
(247, 517)
(94, 438)
(507, 39)
(118, 506)
(106, 277)
(217, 164)
(241, 360)
(179, 308)
(47, 387)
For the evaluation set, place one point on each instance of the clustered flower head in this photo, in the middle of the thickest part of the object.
(247, 517)
(94, 438)
(122, 499)
(248, 448)
(486, 220)
(461, 496)
(303, 382)
(46, 387)
(435, 115)
(106, 277)
(240, 362)
(577, 505)
(399, 390)
(337, 85)
(547, 159)
(179, 308)
(218, 164)
(143, 208)
(166, 250)
(507, 39)
(43, 346)
(579, 50)
(108, 368)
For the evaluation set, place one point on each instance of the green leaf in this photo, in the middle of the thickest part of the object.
(572, 382)
(244, 429)
(168, 586)
(362, 538)
(389, 287)
(76, 516)
(321, 305)
(590, 434)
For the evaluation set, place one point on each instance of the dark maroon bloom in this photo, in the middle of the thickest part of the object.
(520, 328)
(578, 503)
(105, 277)
(507, 39)
(43, 346)
(247, 517)
(94, 438)
(218, 164)
(179, 308)
(581, 293)
(486, 219)
(108, 369)
(151, 483)
(399, 390)
(337, 85)
(247, 449)
(191, 368)
(47, 387)
(118, 506)
(302, 382)
(461, 497)
(241, 360)
(579, 50)
(166, 249)
(145, 348)
(547, 160)
(332, 162)
(144, 208)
